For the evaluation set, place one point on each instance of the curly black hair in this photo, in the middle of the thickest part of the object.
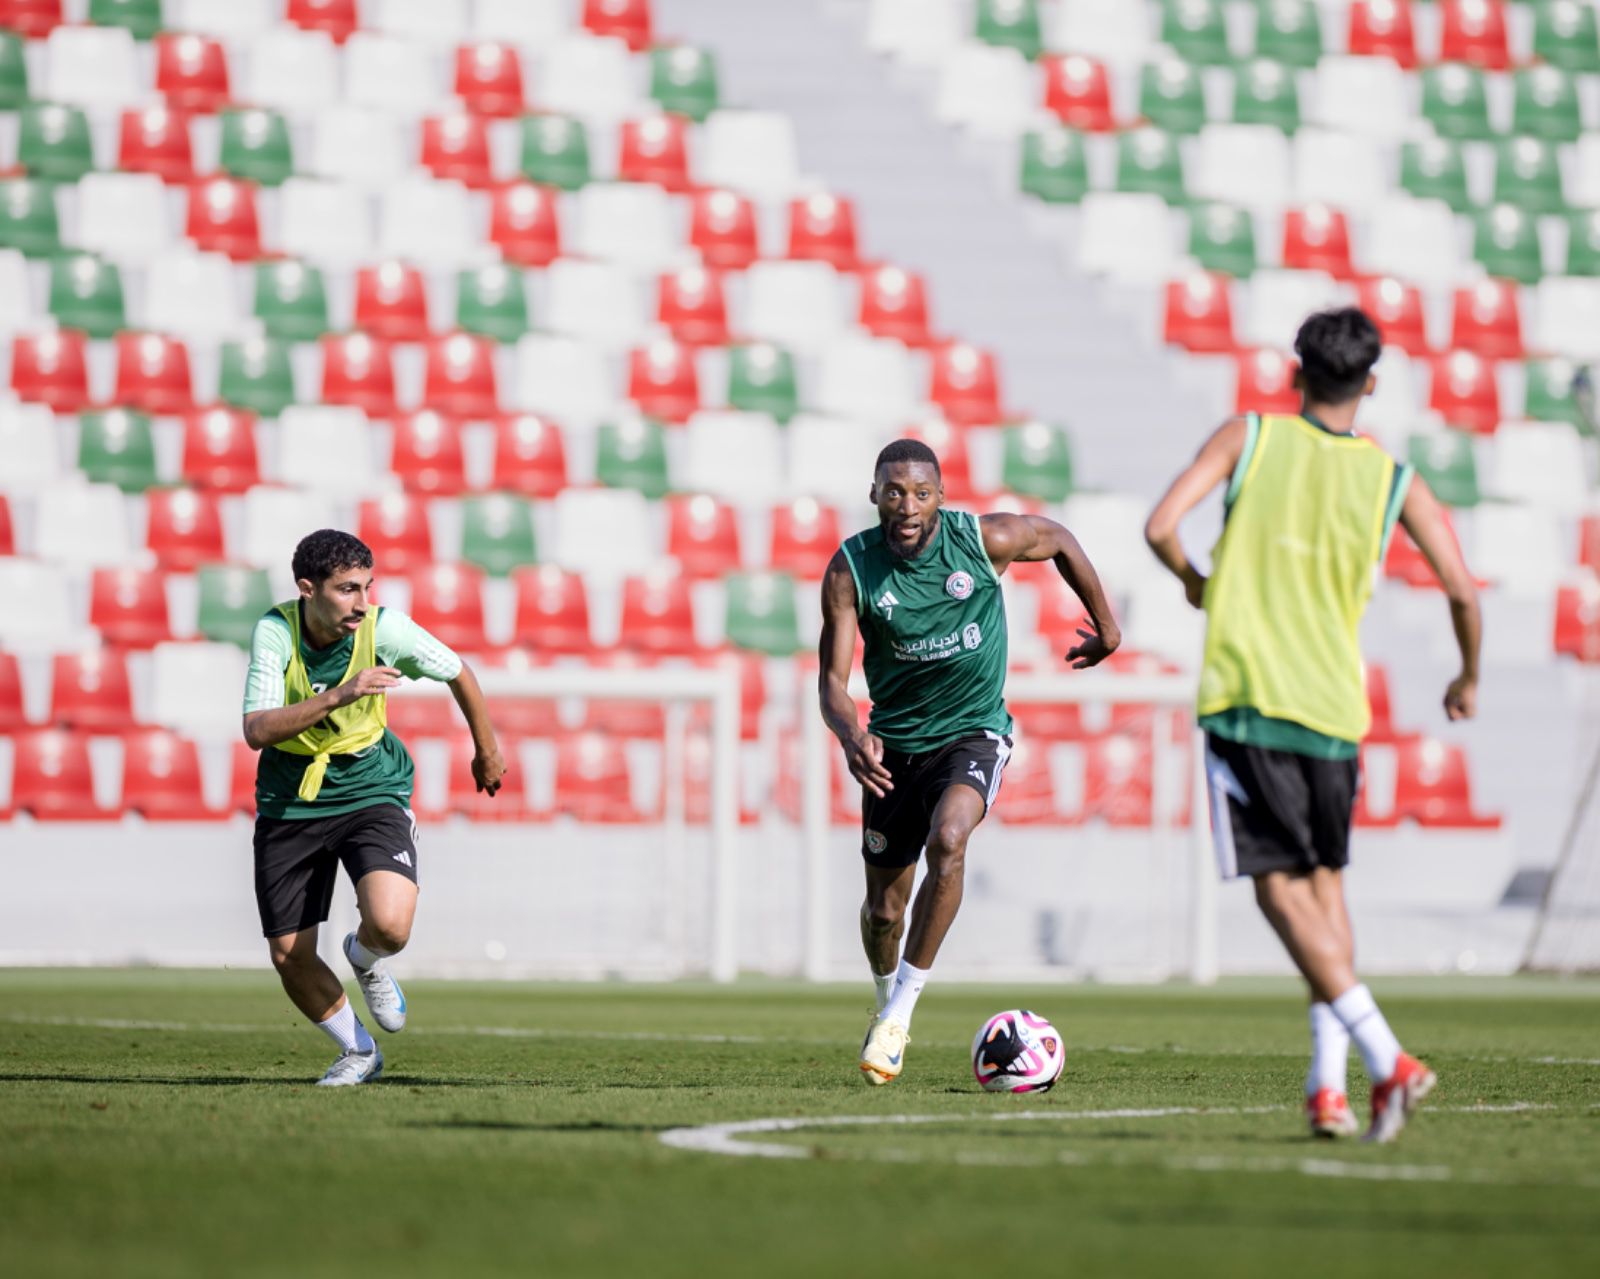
(1337, 350)
(326, 552)
(907, 451)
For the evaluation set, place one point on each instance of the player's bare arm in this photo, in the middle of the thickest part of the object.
(487, 766)
(863, 752)
(1010, 539)
(269, 727)
(1425, 521)
(1212, 466)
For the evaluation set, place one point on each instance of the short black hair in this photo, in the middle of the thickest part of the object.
(328, 551)
(907, 451)
(1337, 350)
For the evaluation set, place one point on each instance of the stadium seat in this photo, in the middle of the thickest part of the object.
(116, 446)
(593, 781)
(524, 224)
(702, 536)
(760, 613)
(122, 215)
(1485, 320)
(1431, 786)
(192, 73)
(1567, 319)
(947, 440)
(459, 376)
(1528, 174)
(1078, 91)
(1540, 464)
(1506, 243)
(565, 378)
(1010, 24)
(662, 380)
(626, 223)
(52, 779)
(599, 303)
(447, 602)
(965, 384)
(555, 151)
(86, 294)
(161, 779)
(1564, 35)
(1589, 543)
(590, 77)
(1264, 383)
(722, 228)
(804, 536)
(1036, 461)
(1317, 238)
(867, 378)
(1367, 96)
(219, 450)
(1196, 31)
(429, 223)
(1266, 92)
(1414, 239)
(489, 81)
(1149, 162)
(1222, 239)
(426, 454)
(1172, 96)
(683, 80)
(357, 371)
(1474, 31)
(491, 302)
(655, 150)
(984, 90)
(497, 533)
(292, 71)
(1199, 313)
(396, 527)
(391, 302)
(552, 609)
(48, 368)
(1396, 307)
(690, 303)
(1288, 31)
(761, 379)
(1118, 776)
(822, 228)
(328, 223)
(256, 146)
(13, 70)
(256, 375)
(657, 614)
(1434, 169)
(894, 304)
(734, 455)
(329, 447)
(457, 147)
(510, 803)
(90, 66)
(1577, 621)
(1446, 461)
(13, 712)
(232, 600)
(1549, 392)
(274, 520)
(796, 304)
(90, 692)
(535, 23)
(1463, 391)
(1455, 102)
(358, 145)
(1583, 243)
(49, 624)
(28, 220)
(830, 457)
(53, 141)
(8, 534)
(128, 606)
(1545, 105)
(751, 152)
(1382, 28)
(632, 454)
(529, 456)
(1342, 169)
(222, 218)
(338, 18)
(1054, 165)
(156, 140)
(436, 23)
(1242, 164)
(191, 296)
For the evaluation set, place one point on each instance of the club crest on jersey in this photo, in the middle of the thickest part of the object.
(876, 843)
(958, 585)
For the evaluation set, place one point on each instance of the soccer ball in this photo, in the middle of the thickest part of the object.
(1017, 1051)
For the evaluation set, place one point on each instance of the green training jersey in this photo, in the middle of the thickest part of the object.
(935, 632)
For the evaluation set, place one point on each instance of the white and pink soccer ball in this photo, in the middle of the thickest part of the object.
(1017, 1051)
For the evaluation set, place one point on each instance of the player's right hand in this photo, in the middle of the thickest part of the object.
(375, 679)
(1461, 698)
(865, 757)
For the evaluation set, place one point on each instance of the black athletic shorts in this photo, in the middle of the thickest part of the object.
(298, 860)
(895, 827)
(1275, 810)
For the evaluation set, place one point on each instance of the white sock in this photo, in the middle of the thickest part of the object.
(885, 984)
(908, 985)
(1330, 1051)
(1379, 1049)
(346, 1030)
(360, 956)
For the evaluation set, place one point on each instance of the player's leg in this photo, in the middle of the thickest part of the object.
(1327, 1083)
(883, 923)
(894, 829)
(379, 850)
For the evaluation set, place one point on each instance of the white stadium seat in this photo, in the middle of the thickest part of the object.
(600, 302)
(29, 445)
(604, 532)
(794, 304)
(93, 67)
(329, 223)
(734, 456)
(1280, 300)
(1246, 164)
(1567, 317)
(750, 151)
(82, 525)
(1349, 171)
(293, 71)
(1363, 95)
(434, 22)
(1125, 235)
(628, 222)
(534, 23)
(1541, 463)
(328, 447)
(16, 308)
(1520, 548)
(49, 623)
(591, 77)
(830, 458)
(1412, 239)
(566, 378)
(919, 32)
(989, 91)
(871, 378)
(191, 295)
(274, 521)
(359, 145)
(122, 215)
(240, 20)
(430, 223)
(391, 73)
(196, 688)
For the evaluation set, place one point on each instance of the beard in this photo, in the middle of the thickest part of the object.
(900, 550)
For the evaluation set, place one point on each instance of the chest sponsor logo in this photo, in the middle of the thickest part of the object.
(971, 636)
(888, 604)
(958, 585)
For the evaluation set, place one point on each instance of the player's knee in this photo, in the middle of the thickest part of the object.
(882, 916)
(391, 935)
(947, 849)
(287, 955)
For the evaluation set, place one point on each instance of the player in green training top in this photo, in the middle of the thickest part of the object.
(334, 785)
(923, 588)
(1310, 505)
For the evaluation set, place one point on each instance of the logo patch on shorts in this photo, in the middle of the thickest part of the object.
(958, 585)
(876, 843)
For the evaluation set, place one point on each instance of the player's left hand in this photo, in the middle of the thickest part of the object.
(487, 771)
(1094, 649)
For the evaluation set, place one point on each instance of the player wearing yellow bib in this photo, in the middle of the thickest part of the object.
(334, 785)
(1310, 506)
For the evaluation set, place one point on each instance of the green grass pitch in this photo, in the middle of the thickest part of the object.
(164, 1124)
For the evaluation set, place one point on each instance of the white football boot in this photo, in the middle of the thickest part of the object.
(353, 1068)
(385, 1000)
(883, 1051)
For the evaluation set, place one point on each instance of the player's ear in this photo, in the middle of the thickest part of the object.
(1299, 379)
(872, 493)
(1372, 384)
(307, 590)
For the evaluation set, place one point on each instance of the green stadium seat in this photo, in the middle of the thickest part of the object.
(1222, 237)
(1037, 461)
(256, 375)
(28, 217)
(1149, 163)
(53, 142)
(761, 379)
(491, 300)
(291, 300)
(141, 17)
(555, 151)
(1564, 35)
(1010, 24)
(1527, 173)
(1196, 31)
(1549, 396)
(1054, 166)
(1446, 461)
(1289, 31)
(497, 532)
(86, 294)
(1265, 92)
(760, 613)
(117, 446)
(1583, 242)
(1546, 104)
(1171, 96)
(683, 79)
(1456, 103)
(1433, 169)
(633, 455)
(256, 146)
(232, 600)
(13, 72)
(1506, 242)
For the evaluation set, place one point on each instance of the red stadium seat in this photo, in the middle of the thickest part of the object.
(593, 781)
(822, 228)
(460, 377)
(1431, 786)
(161, 778)
(357, 370)
(1396, 308)
(338, 18)
(655, 150)
(184, 528)
(8, 537)
(894, 304)
(1463, 391)
(153, 374)
(52, 779)
(508, 804)
(1589, 543)
(48, 368)
(242, 779)
(13, 712)
(703, 536)
(966, 384)
(805, 535)
(722, 227)
(396, 527)
(489, 80)
(447, 601)
(1199, 313)
(1317, 238)
(949, 443)
(1028, 793)
(156, 140)
(1117, 779)
(1078, 91)
(626, 19)
(128, 606)
(697, 783)
(1383, 28)
(219, 449)
(657, 614)
(1265, 383)
(1060, 614)
(457, 147)
(752, 669)
(1474, 31)
(426, 454)
(1577, 627)
(392, 302)
(617, 717)
(1048, 722)
(530, 456)
(223, 218)
(662, 380)
(1405, 561)
(89, 691)
(690, 303)
(524, 225)
(1485, 319)
(552, 610)
(192, 72)
(421, 715)
(34, 19)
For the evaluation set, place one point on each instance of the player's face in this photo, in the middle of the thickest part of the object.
(908, 496)
(337, 605)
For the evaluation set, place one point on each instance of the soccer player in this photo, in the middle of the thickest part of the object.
(1310, 505)
(923, 588)
(334, 785)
